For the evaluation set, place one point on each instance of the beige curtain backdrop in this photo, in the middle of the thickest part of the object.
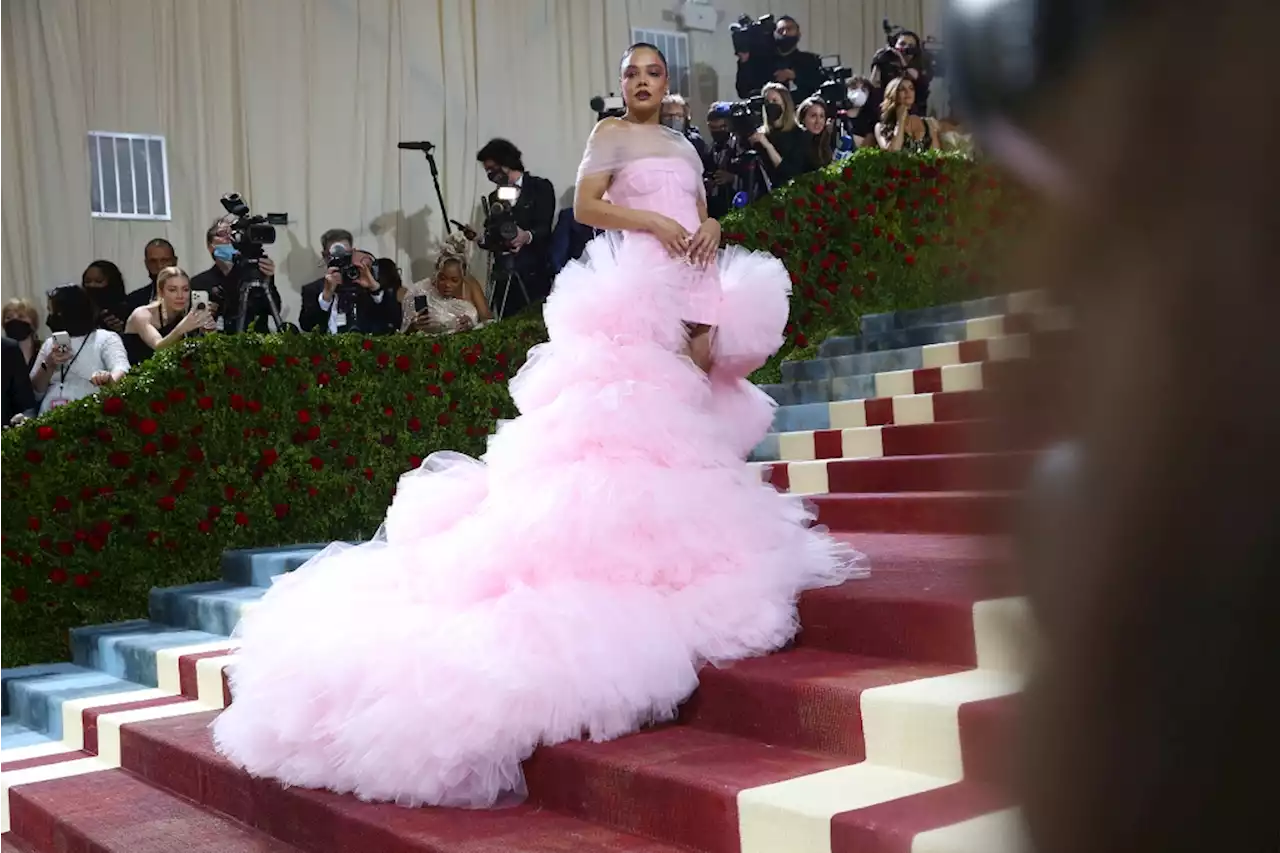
(299, 104)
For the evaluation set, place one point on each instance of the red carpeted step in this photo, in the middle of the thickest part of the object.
(989, 740)
(933, 473)
(916, 512)
(961, 406)
(891, 827)
(177, 754)
(676, 783)
(942, 437)
(917, 605)
(116, 812)
(9, 846)
(802, 698)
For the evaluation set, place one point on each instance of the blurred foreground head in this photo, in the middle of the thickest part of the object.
(1153, 130)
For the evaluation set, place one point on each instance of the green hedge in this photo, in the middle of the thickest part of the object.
(249, 441)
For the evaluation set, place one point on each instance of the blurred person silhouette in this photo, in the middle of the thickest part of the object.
(1152, 538)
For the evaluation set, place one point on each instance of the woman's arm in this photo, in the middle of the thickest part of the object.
(42, 369)
(476, 294)
(140, 325)
(762, 141)
(935, 134)
(892, 142)
(114, 358)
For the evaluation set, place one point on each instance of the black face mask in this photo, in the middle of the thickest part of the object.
(19, 330)
(56, 323)
(786, 44)
(719, 137)
(772, 112)
(498, 176)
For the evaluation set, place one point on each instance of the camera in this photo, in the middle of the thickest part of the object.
(500, 227)
(753, 37)
(249, 233)
(746, 116)
(342, 259)
(610, 107)
(834, 90)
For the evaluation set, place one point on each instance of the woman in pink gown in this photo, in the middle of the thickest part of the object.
(611, 542)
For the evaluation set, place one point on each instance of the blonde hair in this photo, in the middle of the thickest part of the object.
(890, 101)
(675, 98)
(788, 120)
(26, 306)
(453, 250)
(168, 273)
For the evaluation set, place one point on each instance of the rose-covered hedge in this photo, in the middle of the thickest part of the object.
(250, 441)
(878, 232)
(229, 443)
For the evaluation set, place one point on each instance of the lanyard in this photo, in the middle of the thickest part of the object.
(63, 368)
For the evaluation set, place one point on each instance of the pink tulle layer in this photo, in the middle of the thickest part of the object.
(570, 585)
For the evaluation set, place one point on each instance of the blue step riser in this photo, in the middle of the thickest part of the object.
(877, 323)
(905, 352)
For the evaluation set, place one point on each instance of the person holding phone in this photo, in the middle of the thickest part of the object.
(78, 358)
(452, 301)
(175, 314)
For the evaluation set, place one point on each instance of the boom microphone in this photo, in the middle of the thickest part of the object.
(415, 146)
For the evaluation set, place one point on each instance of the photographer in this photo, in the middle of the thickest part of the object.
(719, 179)
(518, 233)
(222, 281)
(784, 144)
(777, 61)
(903, 57)
(675, 115)
(349, 297)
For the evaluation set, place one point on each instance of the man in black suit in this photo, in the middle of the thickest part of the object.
(528, 254)
(329, 307)
(19, 399)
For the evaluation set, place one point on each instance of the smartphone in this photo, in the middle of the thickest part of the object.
(420, 303)
(199, 300)
(61, 339)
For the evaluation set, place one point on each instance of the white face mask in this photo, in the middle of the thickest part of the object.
(858, 97)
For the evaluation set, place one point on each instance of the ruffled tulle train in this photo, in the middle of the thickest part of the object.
(612, 541)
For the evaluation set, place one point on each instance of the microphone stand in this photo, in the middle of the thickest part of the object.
(435, 179)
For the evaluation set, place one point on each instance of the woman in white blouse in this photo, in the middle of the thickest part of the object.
(79, 357)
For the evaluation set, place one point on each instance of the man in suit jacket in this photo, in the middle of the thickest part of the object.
(19, 399)
(529, 253)
(328, 309)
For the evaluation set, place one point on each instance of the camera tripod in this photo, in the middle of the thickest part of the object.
(507, 275)
(256, 286)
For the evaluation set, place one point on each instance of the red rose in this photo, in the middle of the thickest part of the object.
(333, 442)
(366, 344)
(471, 358)
(281, 510)
(502, 359)
(499, 376)
(920, 240)
(343, 368)
(33, 523)
(368, 474)
(195, 454)
(350, 461)
(61, 504)
(229, 493)
(436, 349)
(35, 457)
(443, 419)
(453, 405)
(304, 417)
(205, 403)
(857, 291)
(233, 372)
(316, 358)
(910, 260)
(204, 526)
(253, 406)
(169, 442)
(846, 172)
(322, 379)
(94, 543)
(105, 436)
(415, 461)
(355, 399)
(447, 377)
(402, 363)
(19, 594)
(58, 576)
(267, 360)
(801, 340)
(150, 449)
(236, 402)
(166, 503)
(269, 456)
(383, 359)
(241, 519)
(46, 433)
(414, 425)
(871, 275)
(112, 406)
(312, 491)
(292, 360)
(214, 512)
(158, 407)
(857, 249)
(66, 548)
(313, 432)
(388, 411)
(316, 463)
(495, 411)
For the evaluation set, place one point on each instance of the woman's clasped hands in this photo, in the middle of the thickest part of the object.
(698, 248)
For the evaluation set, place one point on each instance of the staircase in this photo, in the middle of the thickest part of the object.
(884, 729)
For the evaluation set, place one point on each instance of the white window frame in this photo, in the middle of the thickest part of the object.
(130, 138)
(681, 59)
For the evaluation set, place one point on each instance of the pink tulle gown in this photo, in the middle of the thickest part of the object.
(570, 585)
